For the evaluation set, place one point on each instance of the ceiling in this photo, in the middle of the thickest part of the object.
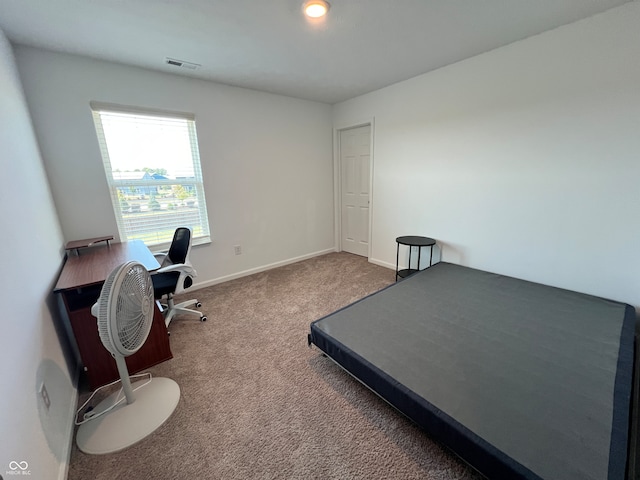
(268, 45)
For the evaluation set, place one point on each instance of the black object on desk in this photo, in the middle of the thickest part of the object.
(412, 241)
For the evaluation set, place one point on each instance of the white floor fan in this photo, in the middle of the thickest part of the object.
(125, 314)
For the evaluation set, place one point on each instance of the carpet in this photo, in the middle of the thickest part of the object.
(258, 403)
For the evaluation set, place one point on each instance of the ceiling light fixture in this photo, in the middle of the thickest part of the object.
(316, 8)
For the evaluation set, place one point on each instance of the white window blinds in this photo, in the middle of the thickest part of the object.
(152, 165)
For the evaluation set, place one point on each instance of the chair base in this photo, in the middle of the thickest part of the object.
(171, 309)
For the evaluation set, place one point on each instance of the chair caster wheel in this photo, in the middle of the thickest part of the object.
(198, 305)
(203, 319)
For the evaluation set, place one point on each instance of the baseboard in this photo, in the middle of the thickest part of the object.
(264, 268)
(380, 263)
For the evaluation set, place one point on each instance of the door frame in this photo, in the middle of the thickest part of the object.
(337, 180)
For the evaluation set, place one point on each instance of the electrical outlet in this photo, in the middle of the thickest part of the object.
(237, 249)
(45, 396)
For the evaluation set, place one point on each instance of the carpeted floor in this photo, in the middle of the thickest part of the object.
(258, 403)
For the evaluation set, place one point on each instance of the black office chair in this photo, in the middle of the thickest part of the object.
(174, 276)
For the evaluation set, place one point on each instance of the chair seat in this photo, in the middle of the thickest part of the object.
(164, 283)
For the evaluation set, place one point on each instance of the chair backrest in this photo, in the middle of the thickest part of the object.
(180, 246)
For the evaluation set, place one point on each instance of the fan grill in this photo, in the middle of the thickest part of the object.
(133, 307)
(126, 309)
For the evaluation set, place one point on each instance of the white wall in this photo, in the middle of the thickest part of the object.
(31, 244)
(523, 161)
(266, 159)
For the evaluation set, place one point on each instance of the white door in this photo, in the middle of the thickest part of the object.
(355, 162)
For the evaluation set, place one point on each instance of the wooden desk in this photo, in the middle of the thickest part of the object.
(79, 285)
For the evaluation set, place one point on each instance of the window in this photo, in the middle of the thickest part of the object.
(152, 165)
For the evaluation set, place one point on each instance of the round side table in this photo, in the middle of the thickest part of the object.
(412, 241)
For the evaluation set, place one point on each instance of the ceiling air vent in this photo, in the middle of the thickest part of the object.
(181, 63)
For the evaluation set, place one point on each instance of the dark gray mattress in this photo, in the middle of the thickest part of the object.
(519, 379)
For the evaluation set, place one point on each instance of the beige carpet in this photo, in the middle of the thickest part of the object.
(258, 403)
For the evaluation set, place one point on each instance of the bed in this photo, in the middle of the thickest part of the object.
(519, 379)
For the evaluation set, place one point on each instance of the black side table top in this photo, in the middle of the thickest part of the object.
(416, 241)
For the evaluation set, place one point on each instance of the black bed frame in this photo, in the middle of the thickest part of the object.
(475, 451)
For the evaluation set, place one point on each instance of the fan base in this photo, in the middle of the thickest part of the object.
(127, 424)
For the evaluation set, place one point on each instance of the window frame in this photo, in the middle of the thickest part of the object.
(115, 185)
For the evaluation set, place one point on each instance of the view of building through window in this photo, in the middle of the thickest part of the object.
(153, 170)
